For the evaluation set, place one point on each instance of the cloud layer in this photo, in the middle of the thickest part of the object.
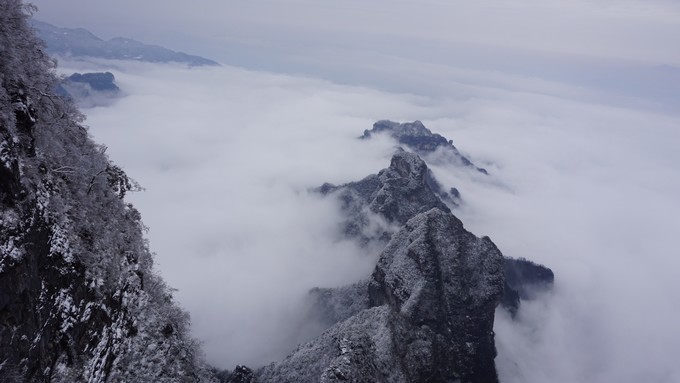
(571, 106)
(590, 189)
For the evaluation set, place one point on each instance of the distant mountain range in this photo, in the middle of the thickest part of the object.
(79, 42)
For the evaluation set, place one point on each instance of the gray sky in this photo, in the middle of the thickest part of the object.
(627, 47)
(571, 105)
(638, 30)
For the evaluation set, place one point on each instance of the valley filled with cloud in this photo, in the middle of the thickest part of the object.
(577, 127)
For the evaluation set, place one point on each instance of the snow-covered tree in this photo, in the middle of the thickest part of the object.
(79, 298)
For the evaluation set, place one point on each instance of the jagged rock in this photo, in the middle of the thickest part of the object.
(524, 280)
(429, 316)
(420, 139)
(526, 277)
(379, 204)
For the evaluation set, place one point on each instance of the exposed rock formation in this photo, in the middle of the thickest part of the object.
(381, 203)
(420, 139)
(429, 314)
(426, 313)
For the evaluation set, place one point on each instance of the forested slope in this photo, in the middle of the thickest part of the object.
(79, 299)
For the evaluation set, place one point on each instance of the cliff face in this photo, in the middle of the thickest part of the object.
(79, 300)
(428, 316)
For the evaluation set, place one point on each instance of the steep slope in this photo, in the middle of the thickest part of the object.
(79, 299)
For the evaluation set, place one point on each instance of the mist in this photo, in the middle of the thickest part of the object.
(576, 123)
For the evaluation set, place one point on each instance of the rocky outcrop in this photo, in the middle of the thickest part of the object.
(428, 316)
(379, 204)
(426, 313)
(421, 140)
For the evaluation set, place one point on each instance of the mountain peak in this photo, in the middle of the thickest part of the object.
(420, 139)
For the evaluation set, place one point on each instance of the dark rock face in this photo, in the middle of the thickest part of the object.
(526, 277)
(79, 300)
(446, 283)
(428, 318)
(524, 280)
(379, 203)
(420, 139)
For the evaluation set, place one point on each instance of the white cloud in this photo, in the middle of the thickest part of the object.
(582, 152)
(227, 156)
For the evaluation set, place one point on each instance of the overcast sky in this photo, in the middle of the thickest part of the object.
(571, 105)
(639, 30)
(626, 46)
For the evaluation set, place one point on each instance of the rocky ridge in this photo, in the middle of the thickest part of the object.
(426, 313)
(431, 146)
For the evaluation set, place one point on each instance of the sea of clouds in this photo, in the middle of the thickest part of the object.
(228, 157)
(570, 106)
